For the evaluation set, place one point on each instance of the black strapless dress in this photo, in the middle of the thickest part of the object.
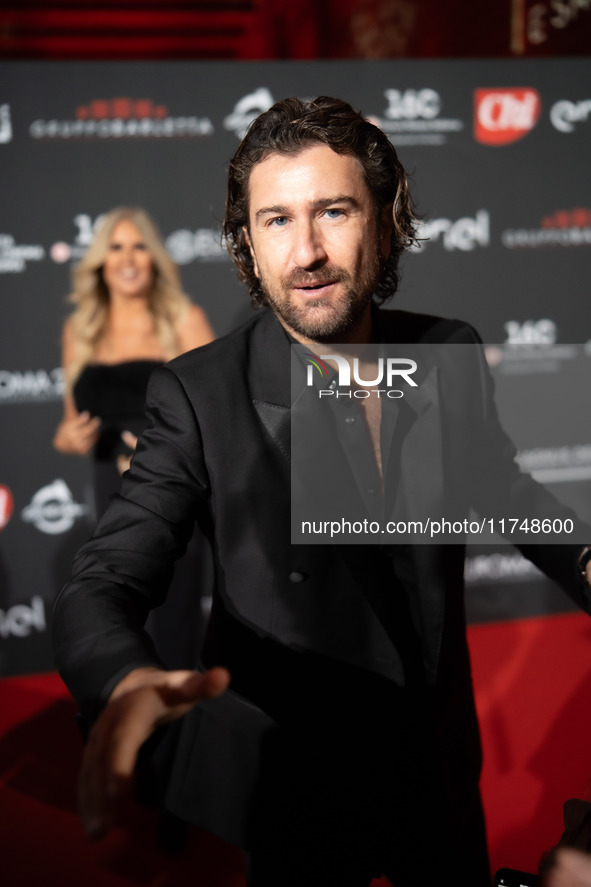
(117, 393)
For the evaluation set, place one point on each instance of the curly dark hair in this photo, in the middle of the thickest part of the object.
(292, 125)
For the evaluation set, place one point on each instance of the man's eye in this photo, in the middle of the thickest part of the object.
(334, 213)
(279, 221)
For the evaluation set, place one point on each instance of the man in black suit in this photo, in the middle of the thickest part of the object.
(347, 745)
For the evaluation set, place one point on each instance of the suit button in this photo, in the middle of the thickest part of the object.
(297, 577)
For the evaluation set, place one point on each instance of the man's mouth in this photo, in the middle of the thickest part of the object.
(315, 283)
(312, 287)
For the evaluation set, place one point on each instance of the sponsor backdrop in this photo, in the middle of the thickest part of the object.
(498, 152)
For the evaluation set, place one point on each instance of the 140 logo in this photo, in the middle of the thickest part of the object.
(531, 332)
(87, 227)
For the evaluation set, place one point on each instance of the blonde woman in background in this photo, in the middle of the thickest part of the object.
(131, 315)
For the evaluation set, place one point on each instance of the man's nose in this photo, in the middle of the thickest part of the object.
(309, 248)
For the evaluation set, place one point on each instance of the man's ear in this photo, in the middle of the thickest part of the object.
(386, 226)
(250, 247)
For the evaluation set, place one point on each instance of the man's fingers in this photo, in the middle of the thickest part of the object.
(98, 791)
(193, 686)
(106, 778)
(215, 682)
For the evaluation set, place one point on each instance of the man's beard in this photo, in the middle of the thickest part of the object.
(324, 319)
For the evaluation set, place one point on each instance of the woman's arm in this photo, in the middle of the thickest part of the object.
(77, 432)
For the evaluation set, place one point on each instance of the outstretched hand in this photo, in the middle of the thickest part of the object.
(144, 700)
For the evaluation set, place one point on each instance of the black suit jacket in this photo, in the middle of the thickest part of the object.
(217, 452)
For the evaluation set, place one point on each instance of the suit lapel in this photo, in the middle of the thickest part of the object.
(270, 379)
(271, 368)
(421, 461)
(419, 494)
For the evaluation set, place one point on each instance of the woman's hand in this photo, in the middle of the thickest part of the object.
(124, 461)
(77, 434)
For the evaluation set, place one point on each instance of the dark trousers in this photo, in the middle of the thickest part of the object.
(423, 856)
(363, 799)
(351, 784)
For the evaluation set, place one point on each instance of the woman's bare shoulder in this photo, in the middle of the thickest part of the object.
(195, 329)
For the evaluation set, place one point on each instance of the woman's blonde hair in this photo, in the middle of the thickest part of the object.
(166, 299)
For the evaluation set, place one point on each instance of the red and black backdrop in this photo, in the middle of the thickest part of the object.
(498, 154)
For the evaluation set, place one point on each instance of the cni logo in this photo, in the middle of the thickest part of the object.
(6, 505)
(502, 116)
